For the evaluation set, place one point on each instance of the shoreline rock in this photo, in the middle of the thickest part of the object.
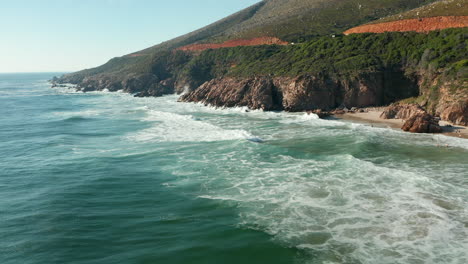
(417, 119)
(422, 123)
(319, 94)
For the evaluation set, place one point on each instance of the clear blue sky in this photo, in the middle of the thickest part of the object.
(70, 35)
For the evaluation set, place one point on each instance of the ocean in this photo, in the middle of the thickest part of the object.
(108, 178)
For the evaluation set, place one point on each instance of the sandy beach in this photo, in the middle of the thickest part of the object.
(372, 116)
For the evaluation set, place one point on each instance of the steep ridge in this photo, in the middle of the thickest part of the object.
(288, 20)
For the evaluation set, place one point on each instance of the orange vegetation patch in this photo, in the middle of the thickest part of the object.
(417, 25)
(235, 43)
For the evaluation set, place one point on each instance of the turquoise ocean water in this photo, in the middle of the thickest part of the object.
(108, 178)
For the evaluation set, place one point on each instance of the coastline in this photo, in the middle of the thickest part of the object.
(372, 116)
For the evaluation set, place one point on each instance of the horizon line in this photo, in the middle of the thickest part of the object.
(19, 72)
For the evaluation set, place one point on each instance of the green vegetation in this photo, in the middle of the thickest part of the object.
(349, 55)
(292, 20)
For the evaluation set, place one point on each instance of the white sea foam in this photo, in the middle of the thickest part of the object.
(84, 113)
(372, 214)
(171, 127)
(338, 207)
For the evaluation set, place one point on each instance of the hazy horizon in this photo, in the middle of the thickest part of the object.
(65, 36)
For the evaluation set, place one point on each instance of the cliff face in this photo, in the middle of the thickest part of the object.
(452, 105)
(308, 92)
(255, 93)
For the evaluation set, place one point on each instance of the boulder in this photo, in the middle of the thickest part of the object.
(422, 123)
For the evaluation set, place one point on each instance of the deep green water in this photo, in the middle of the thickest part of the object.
(108, 178)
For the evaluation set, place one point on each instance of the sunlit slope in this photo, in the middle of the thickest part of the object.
(289, 20)
(439, 8)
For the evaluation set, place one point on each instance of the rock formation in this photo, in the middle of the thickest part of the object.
(402, 111)
(456, 113)
(422, 123)
(256, 93)
(302, 93)
(417, 120)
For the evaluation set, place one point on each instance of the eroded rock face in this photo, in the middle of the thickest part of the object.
(256, 93)
(307, 93)
(456, 113)
(402, 111)
(422, 123)
(282, 93)
(302, 93)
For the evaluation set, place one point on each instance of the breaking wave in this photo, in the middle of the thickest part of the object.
(171, 127)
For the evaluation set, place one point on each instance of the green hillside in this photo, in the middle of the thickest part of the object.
(291, 20)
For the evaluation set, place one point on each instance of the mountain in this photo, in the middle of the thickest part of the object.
(305, 63)
(289, 20)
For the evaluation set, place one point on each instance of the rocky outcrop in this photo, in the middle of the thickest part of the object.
(451, 103)
(307, 93)
(141, 85)
(422, 123)
(235, 43)
(402, 111)
(416, 25)
(417, 119)
(256, 93)
(456, 113)
(302, 93)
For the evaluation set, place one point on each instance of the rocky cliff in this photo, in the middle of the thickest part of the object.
(243, 61)
(306, 92)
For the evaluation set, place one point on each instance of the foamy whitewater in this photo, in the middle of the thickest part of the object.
(108, 178)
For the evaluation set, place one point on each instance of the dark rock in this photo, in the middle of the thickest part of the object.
(255, 93)
(417, 118)
(422, 123)
(307, 93)
(294, 94)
